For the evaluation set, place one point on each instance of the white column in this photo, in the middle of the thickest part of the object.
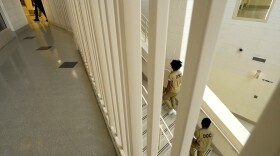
(130, 18)
(81, 44)
(71, 9)
(93, 62)
(84, 33)
(205, 24)
(158, 17)
(264, 139)
(96, 75)
(108, 51)
(95, 7)
(123, 82)
(116, 71)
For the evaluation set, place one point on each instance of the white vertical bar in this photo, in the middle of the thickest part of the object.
(158, 17)
(116, 66)
(91, 44)
(94, 54)
(82, 49)
(264, 139)
(122, 85)
(103, 63)
(108, 60)
(130, 13)
(84, 31)
(205, 25)
(75, 27)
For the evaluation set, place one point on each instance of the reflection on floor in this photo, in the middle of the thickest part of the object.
(46, 110)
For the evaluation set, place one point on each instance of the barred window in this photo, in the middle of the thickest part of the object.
(256, 10)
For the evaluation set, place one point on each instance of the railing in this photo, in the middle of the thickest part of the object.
(144, 27)
(221, 139)
(233, 134)
(162, 132)
(231, 143)
(161, 129)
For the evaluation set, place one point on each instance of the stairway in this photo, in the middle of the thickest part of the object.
(164, 146)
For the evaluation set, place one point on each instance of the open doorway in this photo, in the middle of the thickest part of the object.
(34, 9)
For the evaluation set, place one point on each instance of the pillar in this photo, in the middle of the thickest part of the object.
(158, 17)
(205, 25)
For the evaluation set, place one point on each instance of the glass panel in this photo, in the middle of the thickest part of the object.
(254, 9)
(2, 23)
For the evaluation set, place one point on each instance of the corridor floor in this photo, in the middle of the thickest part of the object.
(46, 110)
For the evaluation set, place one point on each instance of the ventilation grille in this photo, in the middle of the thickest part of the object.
(259, 59)
(265, 80)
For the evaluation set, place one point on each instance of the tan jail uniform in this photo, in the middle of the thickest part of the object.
(175, 78)
(202, 142)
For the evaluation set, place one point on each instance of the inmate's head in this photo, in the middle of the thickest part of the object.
(205, 123)
(176, 64)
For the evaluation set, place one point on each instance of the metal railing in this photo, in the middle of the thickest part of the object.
(161, 129)
(144, 27)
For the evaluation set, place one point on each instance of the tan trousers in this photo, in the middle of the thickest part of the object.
(170, 99)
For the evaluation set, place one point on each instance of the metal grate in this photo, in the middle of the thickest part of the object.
(68, 65)
(259, 59)
(265, 80)
(44, 48)
(29, 37)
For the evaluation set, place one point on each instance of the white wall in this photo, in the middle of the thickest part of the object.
(177, 12)
(57, 13)
(14, 14)
(232, 74)
(178, 28)
(186, 30)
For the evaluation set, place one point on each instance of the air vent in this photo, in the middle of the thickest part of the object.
(259, 59)
(265, 80)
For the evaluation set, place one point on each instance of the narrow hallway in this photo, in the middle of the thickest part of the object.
(44, 109)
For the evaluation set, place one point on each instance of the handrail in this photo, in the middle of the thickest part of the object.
(160, 116)
(162, 120)
(229, 126)
(165, 136)
(145, 27)
(144, 100)
(166, 126)
(143, 87)
(223, 134)
(142, 15)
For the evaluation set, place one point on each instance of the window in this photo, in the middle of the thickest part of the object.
(255, 10)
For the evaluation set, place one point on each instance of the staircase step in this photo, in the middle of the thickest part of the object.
(170, 121)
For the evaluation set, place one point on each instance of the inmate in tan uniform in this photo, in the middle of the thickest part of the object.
(202, 142)
(175, 78)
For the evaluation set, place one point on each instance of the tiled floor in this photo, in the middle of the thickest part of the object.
(46, 110)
